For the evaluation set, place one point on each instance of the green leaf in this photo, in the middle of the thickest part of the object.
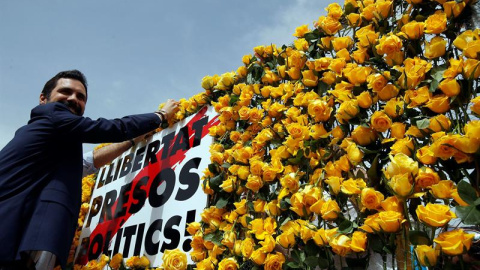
(372, 172)
(349, 8)
(311, 248)
(469, 215)
(466, 192)
(419, 238)
(323, 263)
(217, 180)
(424, 123)
(226, 165)
(476, 202)
(233, 100)
(322, 88)
(293, 265)
(345, 226)
(212, 168)
(216, 238)
(221, 203)
(437, 76)
(311, 261)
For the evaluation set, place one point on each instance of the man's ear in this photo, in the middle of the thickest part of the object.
(43, 99)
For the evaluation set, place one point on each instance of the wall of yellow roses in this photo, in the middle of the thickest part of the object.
(356, 145)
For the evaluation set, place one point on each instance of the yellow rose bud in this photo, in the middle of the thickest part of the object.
(340, 43)
(439, 103)
(364, 135)
(330, 210)
(404, 145)
(258, 256)
(401, 185)
(116, 261)
(242, 71)
(454, 242)
(354, 19)
(364, 100)
(450, 87)
(413, 29)
(301, 31)
(380, 121)
(334, 10)
(274, 261)
(371, 198)
(328, 24)
(341, 245)
(436, 23)
(359, 241)
(389, 44)
(354, 154)
(427, 255)
(452, 8)
(394, 107)
(443, 189)
(370, 224)
(435, 215)
(366, 36)
(207, 82)
(397, 130)
(435, 48)
(426, 155)
(392, 204)
(390, 221)
(228, 264)
(471, 69)
(309, 78)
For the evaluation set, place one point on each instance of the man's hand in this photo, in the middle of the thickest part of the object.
(170, 108)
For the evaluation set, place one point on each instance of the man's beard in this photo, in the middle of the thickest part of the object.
(74, 107)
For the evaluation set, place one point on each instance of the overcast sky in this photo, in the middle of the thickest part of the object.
(135, 54)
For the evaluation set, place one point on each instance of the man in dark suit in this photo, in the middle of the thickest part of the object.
(41, 171)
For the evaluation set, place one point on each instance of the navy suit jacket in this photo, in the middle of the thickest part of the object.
(42, 164)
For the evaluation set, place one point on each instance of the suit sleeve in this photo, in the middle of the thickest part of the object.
(101, 130)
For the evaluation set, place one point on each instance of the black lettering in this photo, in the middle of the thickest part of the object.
(167, 175)
(151, 154)
(198, 128)
(118, 239)
(101, 181)
(95, 247)
(181, 142)
(106, 243)
(138, 241)
(166, 144)
(192, 180)
(127, 165)
(138, 159)
(94, 209)
(110, 198)
(151, 248)
(122, 202)
(119, 162)
(129, 232)
(190, 218)
(109, 177)
(171, 233)
(139, 195)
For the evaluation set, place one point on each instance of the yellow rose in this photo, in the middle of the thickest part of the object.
(330, 210)
(228, 264)
(274, 261)
(334, 10)
(397, 130)
(389, 44)
(226, 81)
(247, 247)
(390, 221)
(426, 155)
(414, 70)
(320, 110)
(471, 69)
(116, 261)
(364, 100)
(207, 82)
(435, 215)
(359, 241)
(404, 145)
(366, 36)
(439, 123)
(436, 23)
(443, 189)
(394, 107)
(352, 186)
(329, 77)
(387, 92)
(401, 164)
(364, 135)
(354, 154)
(426, 177)
(258, 256)
(354, 19)
(309, 78)
(392, 204)
(360, 55)
(356, 75)
(286, 239)
(439, 103)
(454, 242)
(413, 29)
(401, 185)
(334, 183)
(328, 24)
(435, 48)
(246, 59)
(370, 224)
(383, 9)
(371, 198)
(450, 87)
(469, 43)
(341, 245)
(380, 121)
(417, 97)
(427, 255)
(347, 110)
(254, 183)
(206, 264)
(476, 105)
(301, 44)
(301, 31)
(452, 8)
(340, 43)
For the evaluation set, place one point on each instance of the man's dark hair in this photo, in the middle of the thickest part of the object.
(69, 74)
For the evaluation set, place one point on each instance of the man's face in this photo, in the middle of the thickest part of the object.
(69, 92)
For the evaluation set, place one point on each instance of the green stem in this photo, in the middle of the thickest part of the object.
(460, 258)
(432, 236)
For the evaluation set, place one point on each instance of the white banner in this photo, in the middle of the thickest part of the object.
(143, 201)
